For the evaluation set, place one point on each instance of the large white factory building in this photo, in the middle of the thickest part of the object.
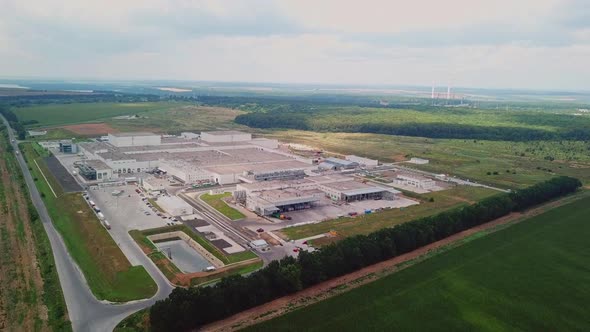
(218, 157)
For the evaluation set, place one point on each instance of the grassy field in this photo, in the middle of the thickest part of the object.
(216, 202)
(365, 224)
(528, 277)
(31, 297)
(181, 117)
(105, 267)
(526, 162)
(60, 114)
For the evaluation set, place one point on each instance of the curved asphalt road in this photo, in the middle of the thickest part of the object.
(85, 311)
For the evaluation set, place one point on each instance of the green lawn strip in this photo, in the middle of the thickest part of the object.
(365, 224)
(203, 281)
(241, 256)
(525, 277)
(218, 204)
(106, 269)
(155, 205)
(142, 240)
(138, 321)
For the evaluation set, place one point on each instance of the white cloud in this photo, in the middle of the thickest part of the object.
(498, 43)
(393, 16)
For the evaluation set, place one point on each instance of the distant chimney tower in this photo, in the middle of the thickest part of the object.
(449, 91)
(432, 93)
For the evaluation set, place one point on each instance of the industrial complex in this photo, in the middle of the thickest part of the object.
(262, 177)
(227, 188)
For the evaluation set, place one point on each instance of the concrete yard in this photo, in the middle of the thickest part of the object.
(183, 256)
(327, 210)
(221, 240)
(128, 210)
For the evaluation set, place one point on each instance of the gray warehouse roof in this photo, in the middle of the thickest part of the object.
(224, 132)
(134, 134)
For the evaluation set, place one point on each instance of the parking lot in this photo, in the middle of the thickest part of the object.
(127, 209)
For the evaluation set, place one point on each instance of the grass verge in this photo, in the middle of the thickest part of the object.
(106, 269)
(216, 201)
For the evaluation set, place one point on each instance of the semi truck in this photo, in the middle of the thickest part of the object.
(106, 224)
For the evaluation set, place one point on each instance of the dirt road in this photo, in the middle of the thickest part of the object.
(350, 281)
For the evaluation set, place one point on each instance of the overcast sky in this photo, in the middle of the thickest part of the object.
(474, 43)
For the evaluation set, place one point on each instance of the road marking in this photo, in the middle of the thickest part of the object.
(45, 179)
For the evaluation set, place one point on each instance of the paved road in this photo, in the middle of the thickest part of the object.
(85, 311)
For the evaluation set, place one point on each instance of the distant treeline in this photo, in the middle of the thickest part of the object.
(189, 309)
(63, 98)
(305, 121)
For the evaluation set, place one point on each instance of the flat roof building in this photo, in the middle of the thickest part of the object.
(415, 180)
(276, 201)
(362, 161)
(95, 170)
(341, 163)
(356, 191)
(67, 146)
(418, 161)
(134, 139)
(225, 136)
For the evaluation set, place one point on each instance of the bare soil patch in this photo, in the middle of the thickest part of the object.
(90, 129)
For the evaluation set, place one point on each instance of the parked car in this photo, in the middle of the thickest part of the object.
(260, 230)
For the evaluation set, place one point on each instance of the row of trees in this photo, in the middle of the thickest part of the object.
(13, 121)
(188, 309)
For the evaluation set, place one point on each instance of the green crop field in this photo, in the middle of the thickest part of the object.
(106, 269)
(532, 276)
(60, 114)
(218, 204)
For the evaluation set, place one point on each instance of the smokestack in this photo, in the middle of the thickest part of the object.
(449, 91)
(432, 93)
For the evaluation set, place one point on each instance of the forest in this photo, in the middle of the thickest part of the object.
(426, 122)
(237, 293)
